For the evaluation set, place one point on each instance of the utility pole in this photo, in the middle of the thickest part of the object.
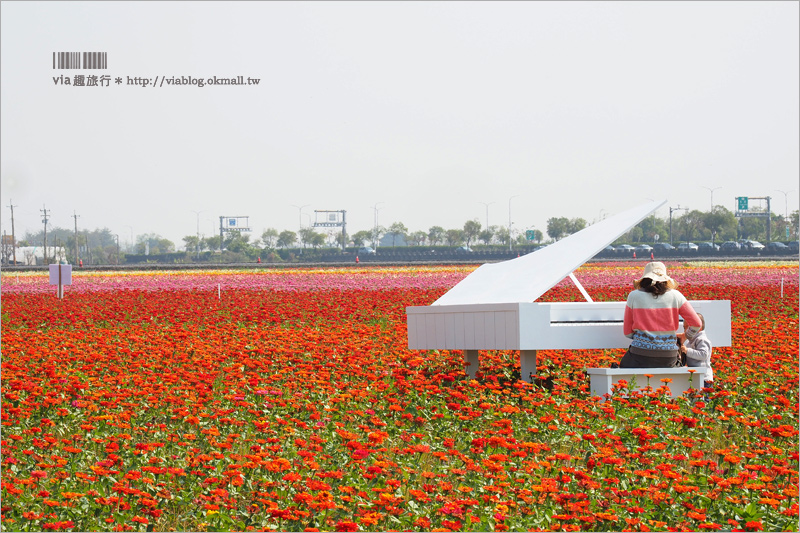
(198, 232)
(77, 256)
(510, 240)
(709, 189)
(45, 219)
(89, 248)
(785, 199)
(300, 213)
(344, 229)
(769, 221)
(785, 219)
(487, 212)
(375, 226)
(13, 236)
(671, 209)
(221, 236)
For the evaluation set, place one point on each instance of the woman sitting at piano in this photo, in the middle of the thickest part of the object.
(651, 320)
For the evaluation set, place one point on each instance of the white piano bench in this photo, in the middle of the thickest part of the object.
(682, 378)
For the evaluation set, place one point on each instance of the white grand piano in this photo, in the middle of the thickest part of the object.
(495, 308)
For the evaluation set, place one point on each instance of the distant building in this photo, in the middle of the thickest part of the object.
(34, 255)
(386, 241)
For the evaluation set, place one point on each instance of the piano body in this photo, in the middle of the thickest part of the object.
(494, 307)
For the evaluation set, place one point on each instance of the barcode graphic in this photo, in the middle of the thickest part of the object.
(80, 60)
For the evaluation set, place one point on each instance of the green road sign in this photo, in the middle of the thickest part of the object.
(530, 235)
(742, 203)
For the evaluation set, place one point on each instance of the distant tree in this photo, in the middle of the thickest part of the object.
(538, 236)
(417, 238)
(652, 226)
(754, 228)
(361, 237)
(794, 219)
(560, 227)
(212, 243)
(779, 225)
(398, 229)
(166, 246)
(55, 233)
(191, 243)
(239, 243)
(286, 238)
(635, 234)
(341, 239)
(690, 223)
(317, 240)
(487, 235)
(454, 236)
(721, 223)
(557, 227)
(575, 225)
(307, 235)
(375, 234)
(71, 244)
(472, 228)
(435, 235)
(103, 255)
(155, 244)
(502, 235)
(269, 237)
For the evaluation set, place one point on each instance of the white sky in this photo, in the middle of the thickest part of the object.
(427, 109)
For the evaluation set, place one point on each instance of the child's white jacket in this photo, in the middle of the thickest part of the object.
(698, 353)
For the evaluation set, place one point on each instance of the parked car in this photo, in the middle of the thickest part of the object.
(463, 250)
(777, 248)
(663, 247)
(687, 247)
(625, 248)
(608, 251)
(793, 246)
(729, 246)
(707, 247)
(752, 245)
(366, 250)
(644, 248)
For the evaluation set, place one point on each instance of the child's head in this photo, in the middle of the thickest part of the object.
(692, 331)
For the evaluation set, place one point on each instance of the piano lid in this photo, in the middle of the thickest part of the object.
(526, 278)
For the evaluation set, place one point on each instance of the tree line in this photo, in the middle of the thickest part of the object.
(101, 246)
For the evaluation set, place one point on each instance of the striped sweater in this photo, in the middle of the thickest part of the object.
(652, 321)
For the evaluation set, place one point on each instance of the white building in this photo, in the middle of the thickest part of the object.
(34, 255)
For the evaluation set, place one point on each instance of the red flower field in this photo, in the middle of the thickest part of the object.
(288, 400)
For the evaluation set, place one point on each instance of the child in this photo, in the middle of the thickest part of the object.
(697, 349)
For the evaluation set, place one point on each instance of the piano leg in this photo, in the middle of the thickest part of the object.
(471, 357)
(527, 363)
